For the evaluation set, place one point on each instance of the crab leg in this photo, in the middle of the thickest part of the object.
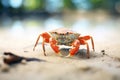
(46, 38)
(92, 44)
(83, 42)
(36, 42)
(43, 46)
(88, 52)
(74, 49)
(87, 38)
(53, 44)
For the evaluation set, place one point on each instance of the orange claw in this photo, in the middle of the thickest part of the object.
(74, 49)
(53, 44)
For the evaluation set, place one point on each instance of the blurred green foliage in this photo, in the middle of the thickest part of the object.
(34, 4)
(98, 4)
(68, 4)
(41, 5)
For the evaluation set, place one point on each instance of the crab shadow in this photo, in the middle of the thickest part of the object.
(82, 53)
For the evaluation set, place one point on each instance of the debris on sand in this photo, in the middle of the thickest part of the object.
(103, 52)
(11, 58)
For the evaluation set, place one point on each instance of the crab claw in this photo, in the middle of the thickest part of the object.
(74, 49)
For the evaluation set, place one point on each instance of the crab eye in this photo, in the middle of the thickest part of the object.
(61, 34)
(55, 32)
(67, 33)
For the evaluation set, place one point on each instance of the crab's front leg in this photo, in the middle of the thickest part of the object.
(45, 37)
(54, 46)
(74, 49)
(36, 42)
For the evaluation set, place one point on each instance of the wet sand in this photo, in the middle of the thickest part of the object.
(100, 66)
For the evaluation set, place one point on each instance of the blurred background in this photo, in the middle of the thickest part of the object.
(83, 16)
(21, 21)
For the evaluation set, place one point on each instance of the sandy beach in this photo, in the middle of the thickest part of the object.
(54, 67)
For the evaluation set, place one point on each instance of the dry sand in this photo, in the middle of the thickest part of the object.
(98, 67)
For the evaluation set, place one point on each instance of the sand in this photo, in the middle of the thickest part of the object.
(54, 67)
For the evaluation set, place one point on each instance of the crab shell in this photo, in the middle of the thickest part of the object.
(64, 36)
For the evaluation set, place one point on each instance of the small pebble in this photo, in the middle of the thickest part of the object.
(23, 61)
(85, 68)
(26, 51)
(103, 52)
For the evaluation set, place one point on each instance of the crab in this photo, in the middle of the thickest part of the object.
(67, 37)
